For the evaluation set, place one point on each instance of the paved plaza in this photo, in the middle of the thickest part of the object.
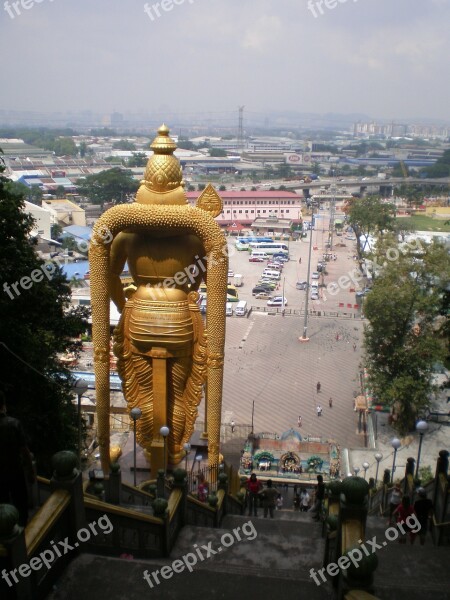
(266, 363)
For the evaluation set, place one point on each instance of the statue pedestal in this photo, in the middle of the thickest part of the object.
(156, 457)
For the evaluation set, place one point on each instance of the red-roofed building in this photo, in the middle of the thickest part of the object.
(242, 208)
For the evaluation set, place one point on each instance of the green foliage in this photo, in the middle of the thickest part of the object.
(369, 216)
(36, 325)
(111, 185)
(123, 145)
(138, 160)
(217, 152)
(404, 337)
(441, 167)
(425, 475)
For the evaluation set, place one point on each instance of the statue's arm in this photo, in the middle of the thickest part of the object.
(118, 259)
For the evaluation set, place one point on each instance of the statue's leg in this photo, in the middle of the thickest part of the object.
(179, 370)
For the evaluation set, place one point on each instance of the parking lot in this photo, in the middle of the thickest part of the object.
(266, 364)
(296, 270)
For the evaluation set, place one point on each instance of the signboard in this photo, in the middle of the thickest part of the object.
(293, 159)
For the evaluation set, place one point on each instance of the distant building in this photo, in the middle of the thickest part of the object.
(66, 212)
(242, 208)
(43, 220)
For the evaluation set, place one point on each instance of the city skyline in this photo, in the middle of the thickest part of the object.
(346, 57)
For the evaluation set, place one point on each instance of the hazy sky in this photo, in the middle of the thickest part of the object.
(385, 58)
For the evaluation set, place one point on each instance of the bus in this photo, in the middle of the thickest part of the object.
(269, 247)
(242, 246)
(232, 293)
(247, 240)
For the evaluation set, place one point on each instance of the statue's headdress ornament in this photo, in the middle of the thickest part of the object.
(163, 177)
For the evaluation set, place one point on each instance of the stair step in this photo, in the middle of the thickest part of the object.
(267, 546)
(91, 575)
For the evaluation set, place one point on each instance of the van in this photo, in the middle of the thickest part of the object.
(241, 308)
(229, 309)
(272, 273)
(260, 253)
(238, 280)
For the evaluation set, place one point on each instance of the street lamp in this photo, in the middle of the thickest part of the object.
(164, 431)
(135, 414)
(79, 388)
(187, 449)
(421, 427)
(395, 443)
(304, 337)
(199, 459)
(356, 471)
(365, 467)
(378, 458)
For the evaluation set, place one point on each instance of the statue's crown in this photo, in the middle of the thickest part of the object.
(163, 177)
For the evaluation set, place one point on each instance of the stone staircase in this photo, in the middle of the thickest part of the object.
(272, 559)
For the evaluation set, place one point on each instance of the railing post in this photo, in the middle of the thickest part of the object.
(113, 485)
(180, 482)
(67, 477)
(12, 537)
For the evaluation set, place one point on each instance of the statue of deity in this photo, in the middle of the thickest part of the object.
(164, 354)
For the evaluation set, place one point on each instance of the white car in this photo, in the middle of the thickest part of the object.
(277, 301)
(315, 275)
(314, 295)
(230, 273)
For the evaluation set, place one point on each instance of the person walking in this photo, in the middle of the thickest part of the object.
(15, 463)
(354, 347)
(305, 499)
(253, 488)
(299, 422)
(396, 498)
(330, 402)
(269, 498)
(423, 507)
(319, 410)
(318, 499)
(233, 425)
(318, 386)
(401, 514)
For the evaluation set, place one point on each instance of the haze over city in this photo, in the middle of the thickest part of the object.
(383, 59)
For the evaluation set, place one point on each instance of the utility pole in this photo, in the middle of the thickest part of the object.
(241, 128)
(304, 337)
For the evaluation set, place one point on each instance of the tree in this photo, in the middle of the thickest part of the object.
(441, 167)
(37, 325)
(139, 159)
(222, 188)
(60, 191)
(405, 335)
(64, 146)
(82, 149)
(112, 185)
(368, 216)
(56, 231)
(124, 145)
(217, 152)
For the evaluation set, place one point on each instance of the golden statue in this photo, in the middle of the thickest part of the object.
(164, 354)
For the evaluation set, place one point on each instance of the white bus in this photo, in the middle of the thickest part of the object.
(269, 247)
